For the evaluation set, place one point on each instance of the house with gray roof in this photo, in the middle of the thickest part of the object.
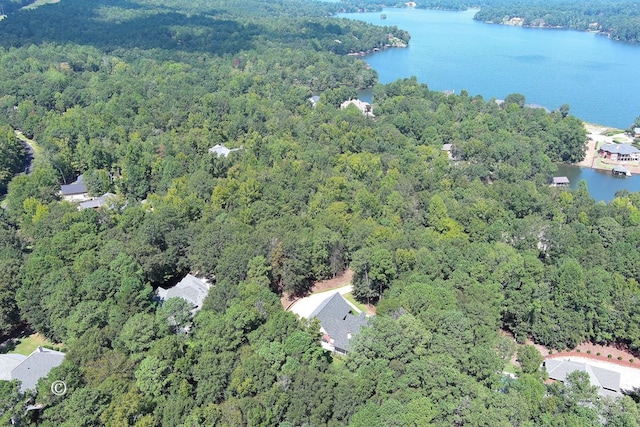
(75, 192)
(339, 322)
(29, 369)
(98, 202)
(619, 152)
(190, 289)
(607, 381)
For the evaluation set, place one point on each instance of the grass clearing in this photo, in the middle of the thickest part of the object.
(349, 297)
(27, 345)
(510, 368)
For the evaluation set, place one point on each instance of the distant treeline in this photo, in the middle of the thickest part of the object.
(619, 19)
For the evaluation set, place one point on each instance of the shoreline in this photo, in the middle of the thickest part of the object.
(598, 135)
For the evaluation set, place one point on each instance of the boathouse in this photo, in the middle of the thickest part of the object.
(560, 181)
(620, 171)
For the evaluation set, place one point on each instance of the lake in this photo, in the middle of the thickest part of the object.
(596, 76)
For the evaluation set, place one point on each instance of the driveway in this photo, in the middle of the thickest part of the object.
(305, 306)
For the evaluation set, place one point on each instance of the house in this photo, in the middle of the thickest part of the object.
(636, 132)
(448, 148)
(619, 152)
(364, 107)
(314, 100)
(607, 381)
(75, 192)
(221, 151)
(338, 323)
(96, 203)
(560, 181)
(29, 369)
(190, 289)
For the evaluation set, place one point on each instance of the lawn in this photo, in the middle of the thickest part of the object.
(510, 368)
(27, 345)
(349, 297)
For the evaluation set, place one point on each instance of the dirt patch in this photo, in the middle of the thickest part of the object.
(341, 279)
(604, 351)
(587, 351)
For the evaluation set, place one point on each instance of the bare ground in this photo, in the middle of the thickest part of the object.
(340, 280)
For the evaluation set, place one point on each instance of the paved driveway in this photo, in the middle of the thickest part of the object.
(305, 306)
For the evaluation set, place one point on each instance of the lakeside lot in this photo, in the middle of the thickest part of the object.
(597, 136)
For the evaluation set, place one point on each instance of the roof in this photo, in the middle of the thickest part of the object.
(606, 380)
(220, 150)
(190, 289)
(336, 319)
(619, 148)
(97, 202)
(620, 169)
(447, 147)
(560, 180)
(35, 366)
(7, 363)
(76, 187)
(365, 107)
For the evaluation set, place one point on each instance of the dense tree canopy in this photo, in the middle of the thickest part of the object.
(450, 249)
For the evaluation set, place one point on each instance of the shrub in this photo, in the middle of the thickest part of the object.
(578, 350)
(550, 351)
(609, 356)
(631, 360)
(619, 357)
(588, 351)
(598, 354)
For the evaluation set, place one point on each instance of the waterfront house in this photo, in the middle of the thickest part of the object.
(619, 152)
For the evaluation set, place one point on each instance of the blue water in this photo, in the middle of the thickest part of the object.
(601, 184)
(597, 77)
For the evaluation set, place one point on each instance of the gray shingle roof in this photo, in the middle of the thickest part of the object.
(606, 380)
(76, 187)
(7, 363)
(37, 365)
(190, 289)
(619, 148)
(560, 180)
(96, 203)
(336, 319)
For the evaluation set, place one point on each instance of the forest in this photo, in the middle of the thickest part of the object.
(457, 254)
(617, 19)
